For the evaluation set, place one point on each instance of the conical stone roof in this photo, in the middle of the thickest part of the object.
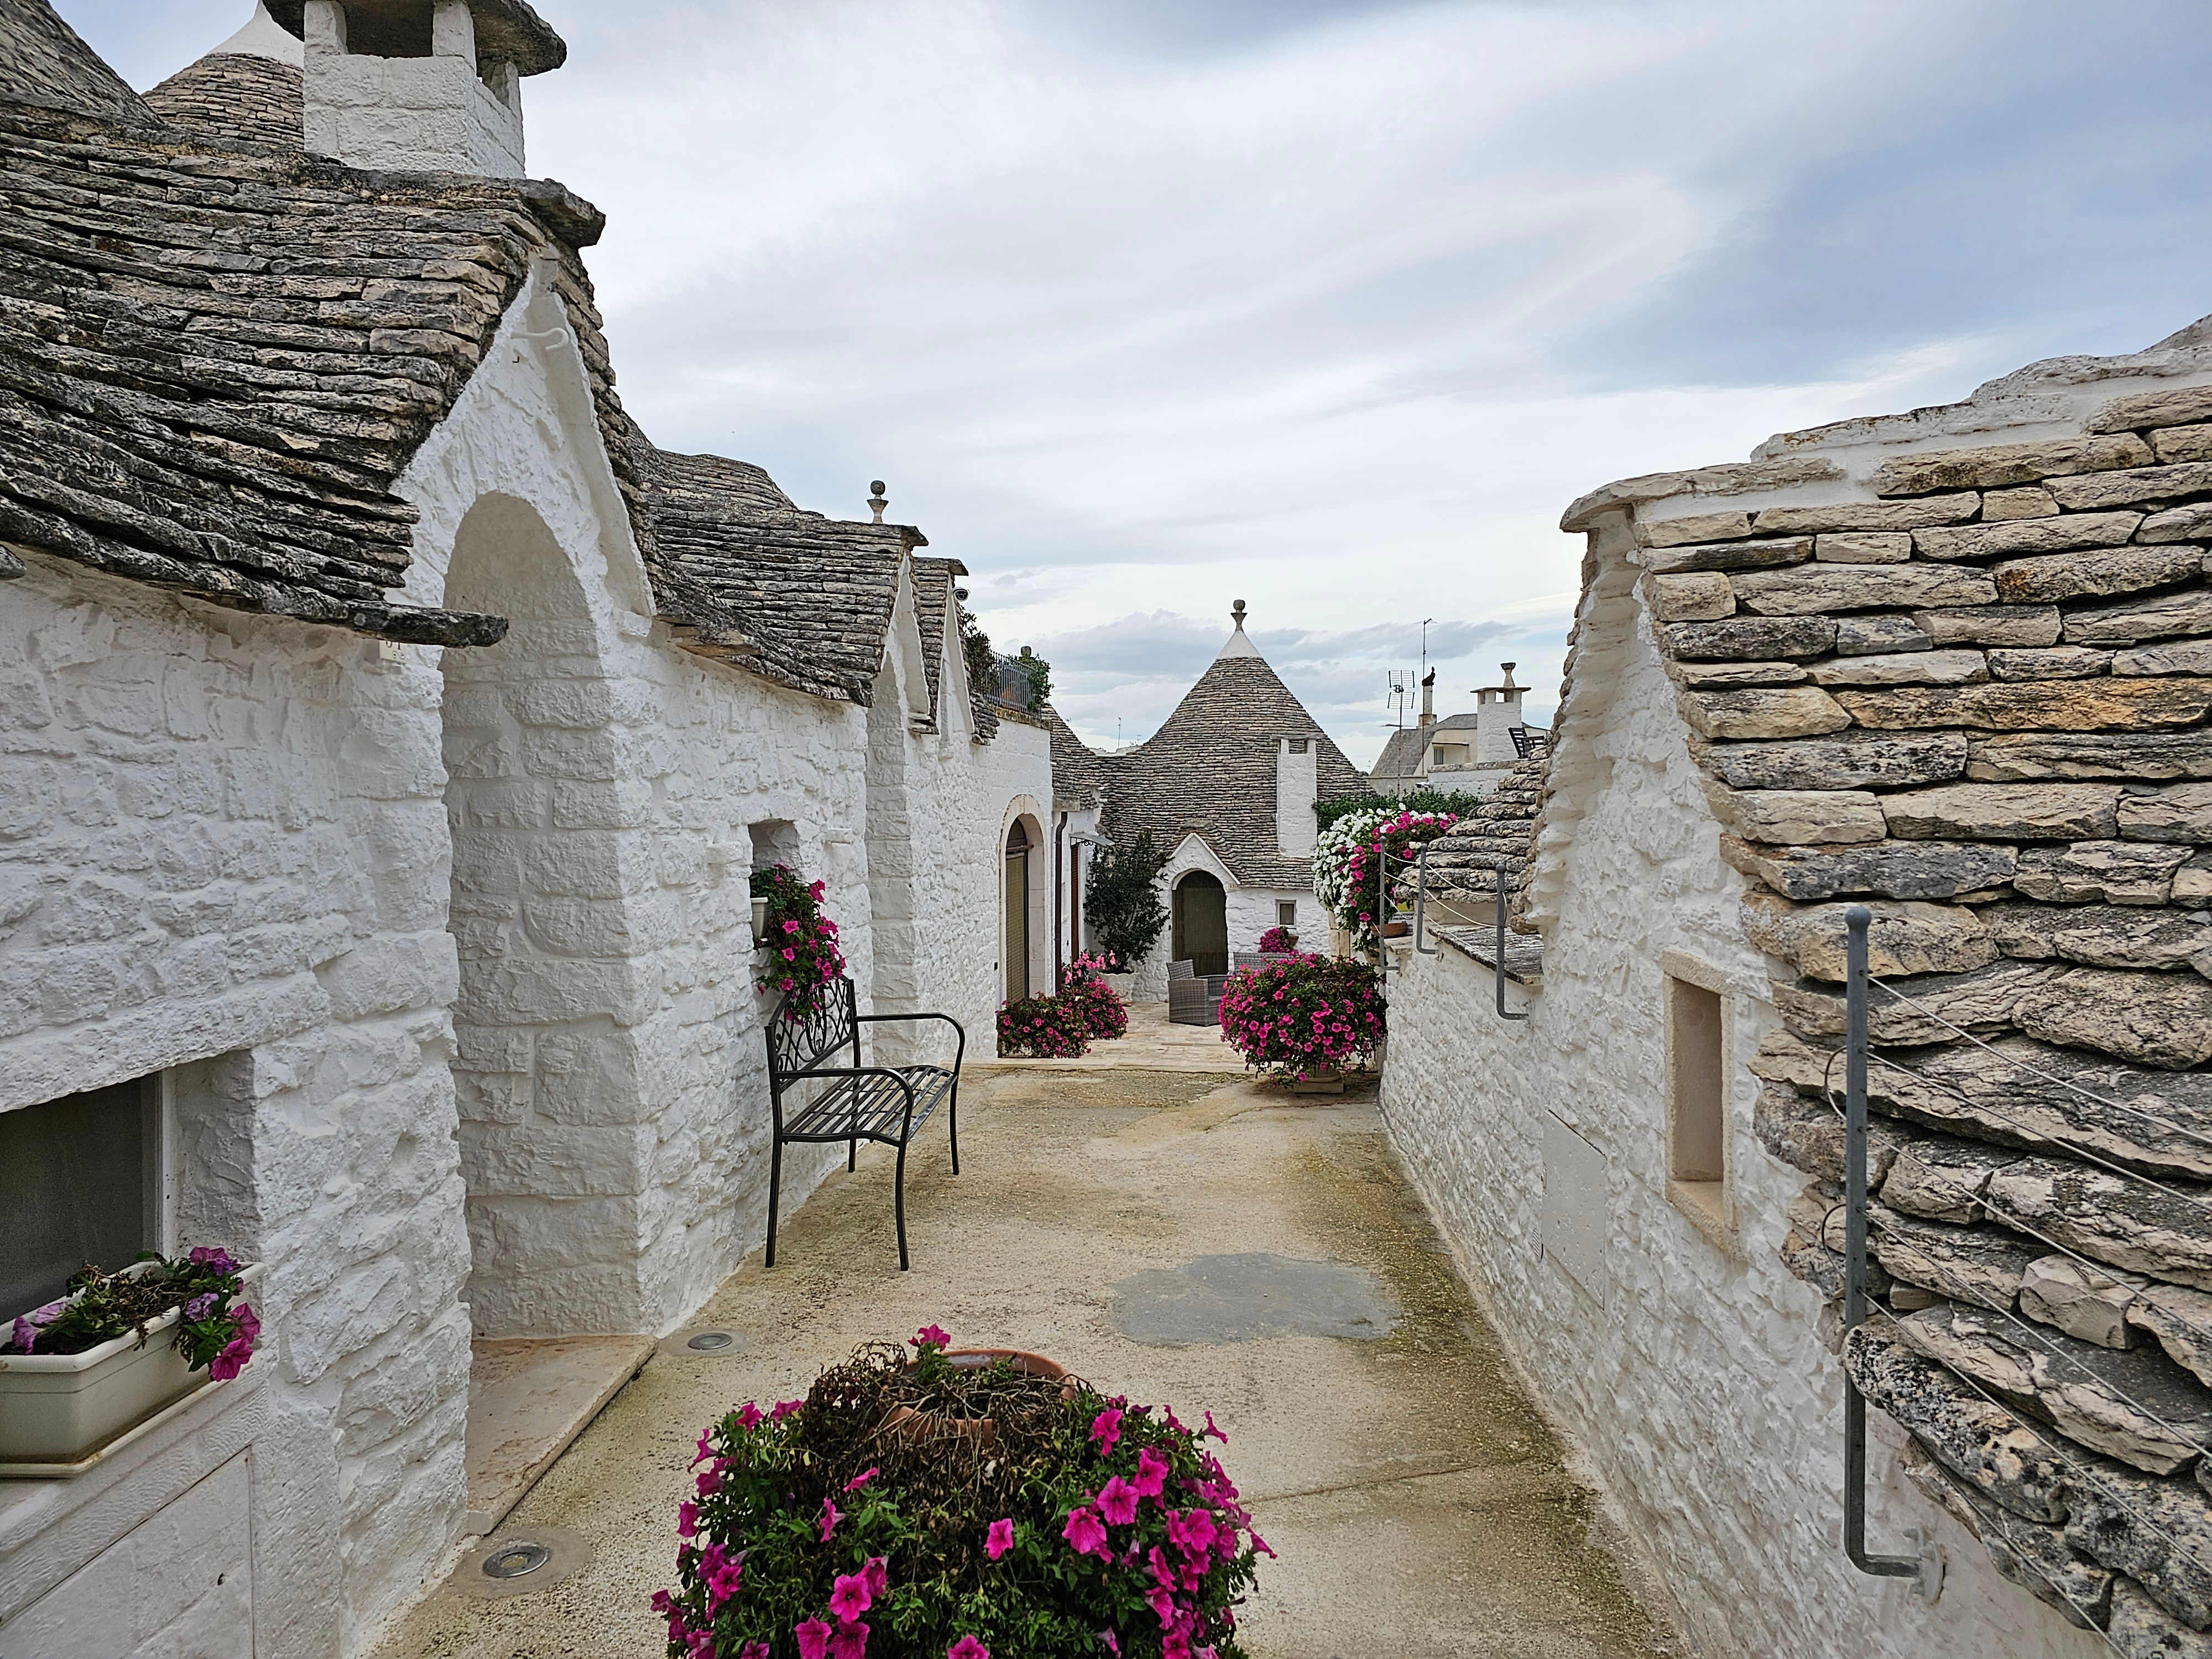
(1210, 768)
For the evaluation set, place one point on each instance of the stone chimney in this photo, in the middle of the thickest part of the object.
(420, 85)
(1497, 712)
(1298, 786)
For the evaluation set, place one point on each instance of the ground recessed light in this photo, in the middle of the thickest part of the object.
(712, 1341)
(515, 1560)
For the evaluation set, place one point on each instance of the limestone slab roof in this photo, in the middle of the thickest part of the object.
(1402, 752)
(1079, 772)
(214, 366)
(216, 361)
(1956, 666)
(1210, 768)
(44, 62)
(793, 596)
(934, 604)
(235, 98)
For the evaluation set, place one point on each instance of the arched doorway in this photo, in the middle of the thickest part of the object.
(1200, 906)
(1016, 886)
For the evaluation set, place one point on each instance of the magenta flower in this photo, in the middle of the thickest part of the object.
(1084, 1535)
(967, 1647)
(721, 1571)
(929, 1336)
(1210, 1430)
(851, 1641)
(1000, 1538)
(1118, 1502)
(218, 1259)
(1151, 1473)
(813, 1639)
(748, 1416)
(849, 1597)
(710, 1480)
(1106, 1429)
(861, 1480)
(687, 1519)
(1113, 1642)
(829, 1518)
(784, 1408)
(755, 1651)
(879, 1581)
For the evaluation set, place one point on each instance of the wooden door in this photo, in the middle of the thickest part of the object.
(1200, 911)
(1018, 912)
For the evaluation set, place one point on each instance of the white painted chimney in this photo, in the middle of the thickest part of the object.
(1497, 712)
(439, 110)
(1298, 786)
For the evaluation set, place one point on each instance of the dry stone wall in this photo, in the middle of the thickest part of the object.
(1969, 690)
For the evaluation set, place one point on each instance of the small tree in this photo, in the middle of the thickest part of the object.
(1123, 902)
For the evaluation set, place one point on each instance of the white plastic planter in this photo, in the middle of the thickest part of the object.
(59, 1409)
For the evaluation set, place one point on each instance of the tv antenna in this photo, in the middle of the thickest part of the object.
(1401, 688)
(1425, 620)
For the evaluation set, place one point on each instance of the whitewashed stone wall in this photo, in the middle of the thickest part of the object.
(224, 841)
(1690, 1370)
(409, 113)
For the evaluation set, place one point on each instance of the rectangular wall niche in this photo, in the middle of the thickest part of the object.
(82, 1180)
(1697, 1101)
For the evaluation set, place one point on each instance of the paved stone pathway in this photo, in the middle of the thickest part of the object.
(1187, 1238)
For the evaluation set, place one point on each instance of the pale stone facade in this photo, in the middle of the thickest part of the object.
(1940, 663)
(440, 954)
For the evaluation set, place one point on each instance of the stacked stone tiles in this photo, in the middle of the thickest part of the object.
(1210, 767)
(1976, 701)
(235, 98)
(1464, 869)
(215, 366)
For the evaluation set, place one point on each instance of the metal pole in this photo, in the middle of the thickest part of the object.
(1498, 952)
(1856, 919)
(1421, 902)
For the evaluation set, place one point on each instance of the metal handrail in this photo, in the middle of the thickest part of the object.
(1421, 900)
(1498, 962)
(1925, 1569)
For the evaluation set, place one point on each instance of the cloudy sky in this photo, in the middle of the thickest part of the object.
(1144, 305)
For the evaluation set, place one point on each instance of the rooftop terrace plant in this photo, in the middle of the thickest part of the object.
(951, 1505)
(1346, 855)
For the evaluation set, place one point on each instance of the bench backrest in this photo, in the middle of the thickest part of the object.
(796, 1047)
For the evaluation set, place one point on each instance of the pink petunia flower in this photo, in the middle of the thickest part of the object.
(1113, 1642)
(1210, 1430)
(829, 1518)
(755, 1651)
(1117, 1502)
(687, 1519)
(879, 1581)
(849, 1597)
(1084, 1535)
(813, 1639)
(851, 1641)
(861, 1480)
(748, 1416)
(784, 1408)
(967, 1647)
(722, 1572)
(1106, 1430)
(1151, 1473)
(930, 1336)
(999, 1539)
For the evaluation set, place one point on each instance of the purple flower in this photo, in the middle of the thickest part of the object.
(28, 1325)
(202, 1255)
(197, 1307)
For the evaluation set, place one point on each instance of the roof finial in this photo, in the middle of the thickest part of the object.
(1236, 615)
(1508, 667)
(876, 499)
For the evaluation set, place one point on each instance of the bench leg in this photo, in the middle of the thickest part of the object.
(952, 1124)
(898, 1204)
(775, 1182)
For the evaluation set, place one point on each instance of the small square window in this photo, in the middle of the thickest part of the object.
(1287, 912)
(80, 1181)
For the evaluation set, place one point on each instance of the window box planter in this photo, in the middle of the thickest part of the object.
(60, 1409)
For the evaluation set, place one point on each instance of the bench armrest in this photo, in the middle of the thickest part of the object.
(959, 1054)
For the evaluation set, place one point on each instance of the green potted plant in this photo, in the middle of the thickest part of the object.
(963, 1503)
(116, 1350)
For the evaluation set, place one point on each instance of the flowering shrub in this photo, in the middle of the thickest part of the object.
(803, 958)
(1345, 875)
(215, 1334)
(1047, 1028)
(1105, 1016)
(936, 1507)
(1311, 1014)
(1278, 942)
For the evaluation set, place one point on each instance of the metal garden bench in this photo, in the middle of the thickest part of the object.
(855, 1103)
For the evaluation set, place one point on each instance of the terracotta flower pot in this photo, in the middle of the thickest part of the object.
(1318, 1083)
(1396, 929)
(920, 1425)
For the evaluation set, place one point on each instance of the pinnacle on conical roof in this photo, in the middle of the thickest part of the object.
(1237, 645)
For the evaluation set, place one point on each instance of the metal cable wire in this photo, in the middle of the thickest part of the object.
(2204, 1141)
(2183, 1436)
(2034, 1233)
(2057, 1449)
